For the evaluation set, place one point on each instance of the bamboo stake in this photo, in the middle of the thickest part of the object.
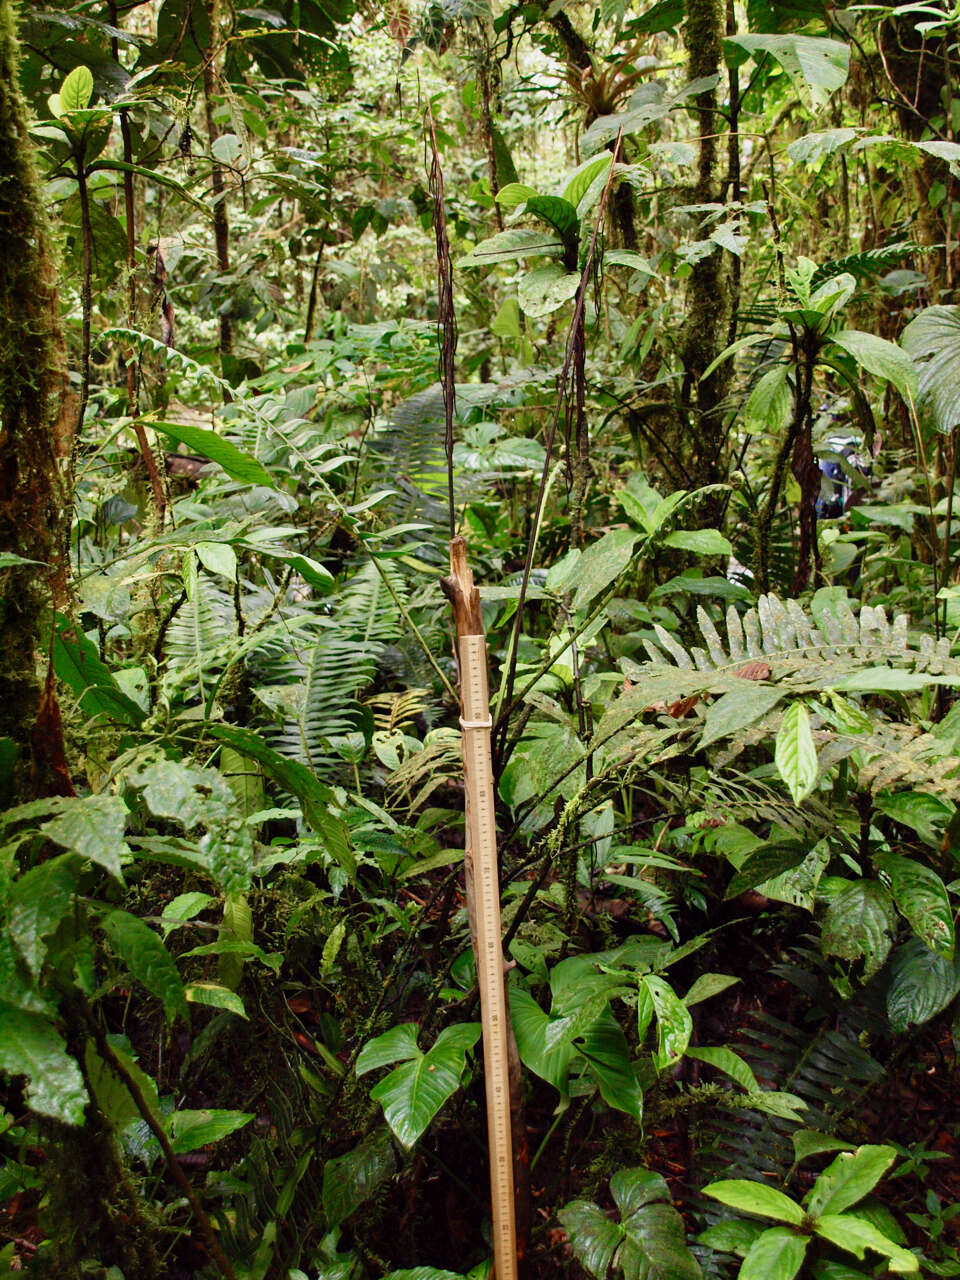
(483, 888)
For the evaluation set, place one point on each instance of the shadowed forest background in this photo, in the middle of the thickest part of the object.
(656, 306)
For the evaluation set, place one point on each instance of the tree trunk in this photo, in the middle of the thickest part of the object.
(708, 291)
(36, 423)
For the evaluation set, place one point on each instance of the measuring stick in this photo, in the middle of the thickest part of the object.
(475, 726)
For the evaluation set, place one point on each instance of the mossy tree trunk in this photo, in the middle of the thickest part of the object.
(708, 289)
(36, 421)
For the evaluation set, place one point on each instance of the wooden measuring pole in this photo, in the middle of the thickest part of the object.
(482, 871)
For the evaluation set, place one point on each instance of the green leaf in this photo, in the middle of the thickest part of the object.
(184, 907)
(649, 1241)
(756, 1198)
(795, 754)
(76, 90)
(214, 996)
(705, 542)
(147, 959)
(189, 1130)
(583, 176)
(605, 1050)
(860, 921)
(922, 899)
(92, 826)
(932, 339)
(218, 558)
(396, 1045)
(890, 680)
(848, 1179)
(734, 1235)
(728, 1062)
(546, 289)
(817, 66)
(856, 1236)
(38, 901)
(77, 663)
(237, 464)
(515, 193)
(769, 403)
(413, 1093)
(600, 564)
(674, 1023)
(707, 986)
(766, 862)
(925, 814)
(776, 1254)
(30, 1046)
(508, 246)
(881, 358)
(737, 709)
(810, 1142)
(315, 796)
(351, 1179)
(922, 984)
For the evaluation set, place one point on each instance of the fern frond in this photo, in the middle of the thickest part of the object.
(863, 266)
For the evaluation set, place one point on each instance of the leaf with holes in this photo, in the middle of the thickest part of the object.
(922, 899)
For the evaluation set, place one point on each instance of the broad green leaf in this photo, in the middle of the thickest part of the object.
(728, 1062)
(413, 1093)
(795, 754)
(508, 246)
(350, 1179)
(737, 709)
(817, 66)
(922, 899)
(396, 1045)
(756, 1198)
(546, 289)
(707, 986)
(315, 796)
(810, 1142)
(93, 826)
(111, 1093)
(530, 1025)
(881, 358)
(514, 194)
(189, 1130)
(583, 176)
(765, 863)
(922, 984)
(78, 664)
(605, 1050)
(890, 680)
(38, 901)
(770, 402)
(184, 907)
(705, 542)
(647, 1244)
(812, 147)
(17, 989)
(932, 339)
(218, 558)
(734, 1235)
(776, 1254)
(237, 464)
(593, 1237)
(600, 564)
(856, 1237)
(147, 959)
(674, 1023)
(236, 926)
(848, 1179)
(559, 213)
(30, 1046)
(76, 90)
(925, 814)
(215, 996)
(860, 921)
